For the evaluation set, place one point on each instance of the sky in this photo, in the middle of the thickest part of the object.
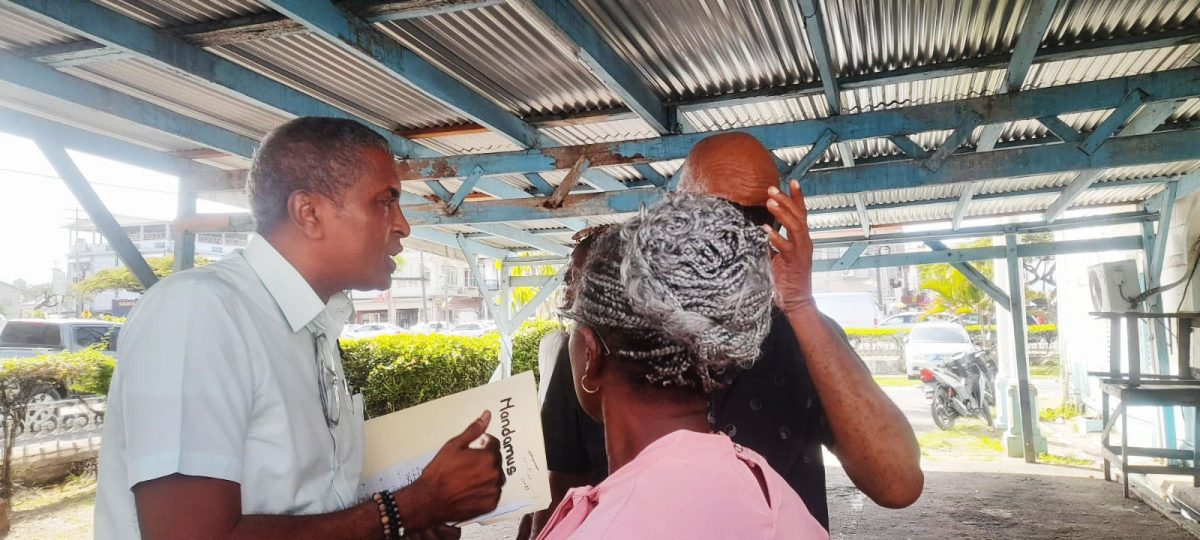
(35, 205)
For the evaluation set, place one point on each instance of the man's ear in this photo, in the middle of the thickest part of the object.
(302, 212)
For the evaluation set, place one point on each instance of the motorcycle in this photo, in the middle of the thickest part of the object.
(964, 386)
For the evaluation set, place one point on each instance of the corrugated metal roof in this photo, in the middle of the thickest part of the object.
(166, 13)
(17, 31)
(147, 81)
(876, 35)
(1087, 20)
(474, 143)
(507, 58)
(690, 48)
(322, 69)
(608, 131)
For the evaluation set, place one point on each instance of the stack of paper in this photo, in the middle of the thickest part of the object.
(401, 444)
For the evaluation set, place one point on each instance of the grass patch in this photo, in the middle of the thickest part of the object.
(966, 440)
(891, 381)
(1065, 411)
(1063, 460)
(1047, 371)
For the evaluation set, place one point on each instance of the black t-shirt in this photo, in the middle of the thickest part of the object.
(771, 407)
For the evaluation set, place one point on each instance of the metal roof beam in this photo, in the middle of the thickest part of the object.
(1144, 121)
(112, 29)
(819, 45)
(1037, 21)
(989, 230)
(1109, 93)
(48, 81)
(973, 275)
(362, 40)
(33, 127)
(562, 21)
(524, 237)
(1045, 159)
(863, 221)
(964, 255)
(964, 203)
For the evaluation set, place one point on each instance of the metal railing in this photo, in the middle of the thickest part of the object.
(65, 418)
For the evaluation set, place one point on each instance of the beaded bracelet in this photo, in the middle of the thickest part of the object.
(389, 515)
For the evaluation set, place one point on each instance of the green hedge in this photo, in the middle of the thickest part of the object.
(396, 372)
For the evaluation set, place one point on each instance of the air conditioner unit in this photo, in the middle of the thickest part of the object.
(1113, 285)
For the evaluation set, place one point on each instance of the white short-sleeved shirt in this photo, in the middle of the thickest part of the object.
(218, 377)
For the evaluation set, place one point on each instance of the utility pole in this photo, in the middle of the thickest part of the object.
(424, 297)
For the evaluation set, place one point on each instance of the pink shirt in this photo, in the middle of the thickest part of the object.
(686, 485)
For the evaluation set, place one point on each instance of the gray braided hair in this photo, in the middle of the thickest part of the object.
(683, 291)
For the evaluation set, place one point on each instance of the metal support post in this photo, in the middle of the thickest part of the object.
(1016, 308)
(185, 240)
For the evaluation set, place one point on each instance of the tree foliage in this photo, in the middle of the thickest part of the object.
(955, 293)
(120, 278)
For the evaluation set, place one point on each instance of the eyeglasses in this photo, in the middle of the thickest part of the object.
(327, 381)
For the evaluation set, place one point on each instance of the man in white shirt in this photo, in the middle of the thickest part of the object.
(229, 416)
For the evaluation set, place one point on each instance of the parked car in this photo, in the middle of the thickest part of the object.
(429, 327)
(930, 344)
(901, 320)
(472, 328)
(371, 330)
(23, 338)
(850, 310)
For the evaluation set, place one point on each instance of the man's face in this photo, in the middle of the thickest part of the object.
(364, 234)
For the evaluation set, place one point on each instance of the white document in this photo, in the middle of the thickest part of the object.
(400, 445)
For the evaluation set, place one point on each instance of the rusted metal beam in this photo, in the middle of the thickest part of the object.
(568, 183)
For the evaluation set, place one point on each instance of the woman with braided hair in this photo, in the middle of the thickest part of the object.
(668, 308)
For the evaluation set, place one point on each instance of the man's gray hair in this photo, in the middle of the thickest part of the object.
(684, 290)
(315, 154)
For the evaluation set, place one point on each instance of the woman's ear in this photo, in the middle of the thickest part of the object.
(595, 361)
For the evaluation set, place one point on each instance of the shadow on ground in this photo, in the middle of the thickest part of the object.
(999, 505)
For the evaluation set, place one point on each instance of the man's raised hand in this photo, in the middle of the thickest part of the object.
(792, 262)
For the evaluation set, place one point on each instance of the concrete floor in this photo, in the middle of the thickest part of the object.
(1001, 498)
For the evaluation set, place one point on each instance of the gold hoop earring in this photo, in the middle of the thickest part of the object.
(583, 380)
(583, 383)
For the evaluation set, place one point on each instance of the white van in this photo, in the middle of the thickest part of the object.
(850, 310)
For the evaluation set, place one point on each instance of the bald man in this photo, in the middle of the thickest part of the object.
(807, 390)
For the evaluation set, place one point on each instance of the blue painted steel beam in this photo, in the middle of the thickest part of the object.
(48, 81)
(467, 186)
(951, 144)
(540, 184)
(852, 253)
(1166, 85)
(818, 44)
(97, 212)
(810, 158)
(185, 241)
(909, 147)
(1144, 121)
(1060, 129)
(1120, 243)
(1115, 120)
(115, 30)
(362, 40)
(1053, 158)
(863, 220)
(563, 21)
(991, 230)
(964, 203)
(973, 275)
(652, 175)
(543, 293)
(1120, 152)
(33, 127)
(1037, 21)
